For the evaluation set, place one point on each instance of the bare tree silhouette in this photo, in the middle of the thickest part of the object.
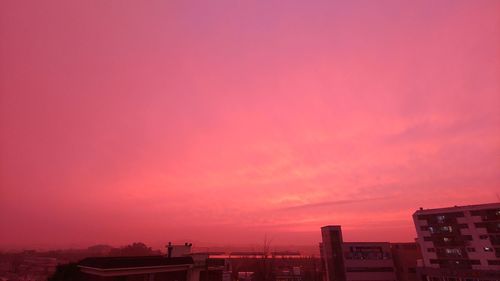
(266, 265)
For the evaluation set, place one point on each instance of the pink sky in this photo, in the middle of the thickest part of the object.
(222, 122)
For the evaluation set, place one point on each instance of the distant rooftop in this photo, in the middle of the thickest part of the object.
(209, 253)
(129, 262)
(366, 243)
(278, 253)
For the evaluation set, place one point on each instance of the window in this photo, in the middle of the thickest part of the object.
(446, 229)
(493, 262)
(483, 237)
(471, 249)
(453, 251)
(488, 249)
(441, 218)
(495, 239)
(431, 250)
(467, 237)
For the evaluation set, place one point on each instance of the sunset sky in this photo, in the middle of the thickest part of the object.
(224, 121)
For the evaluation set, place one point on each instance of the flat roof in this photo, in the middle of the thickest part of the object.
(459, 208)
(133, 262)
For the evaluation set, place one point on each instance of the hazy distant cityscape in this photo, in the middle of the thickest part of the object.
(460, 243)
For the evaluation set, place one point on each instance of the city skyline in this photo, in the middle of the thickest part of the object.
(226, 122)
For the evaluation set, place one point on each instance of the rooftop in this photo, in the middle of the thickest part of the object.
(133, 262)
(458, 208)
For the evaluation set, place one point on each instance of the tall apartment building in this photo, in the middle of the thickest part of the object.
(459, 243)
(352, 261)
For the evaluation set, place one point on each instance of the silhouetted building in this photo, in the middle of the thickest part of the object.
(178, 250)
(332, 255)
(210, 269)
(349, 261)
(289, 274)
(405, 256)
(459, 243)
(280, 266)
(322, 267)
(151, 268)
(179, 264)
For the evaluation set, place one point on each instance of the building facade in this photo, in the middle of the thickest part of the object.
(355, 261)
(150, 268)
(405, 256)
(459, 243)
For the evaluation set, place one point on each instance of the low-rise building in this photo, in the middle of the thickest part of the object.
(355, 261)
(149, 268)
(178, 265)
(405, 256)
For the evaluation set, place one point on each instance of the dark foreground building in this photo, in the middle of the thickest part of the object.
(150, 268)
(194, 267)
(353, 261)
(405, 256)
(366, 261)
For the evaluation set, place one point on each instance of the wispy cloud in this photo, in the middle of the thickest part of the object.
(327, 204)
